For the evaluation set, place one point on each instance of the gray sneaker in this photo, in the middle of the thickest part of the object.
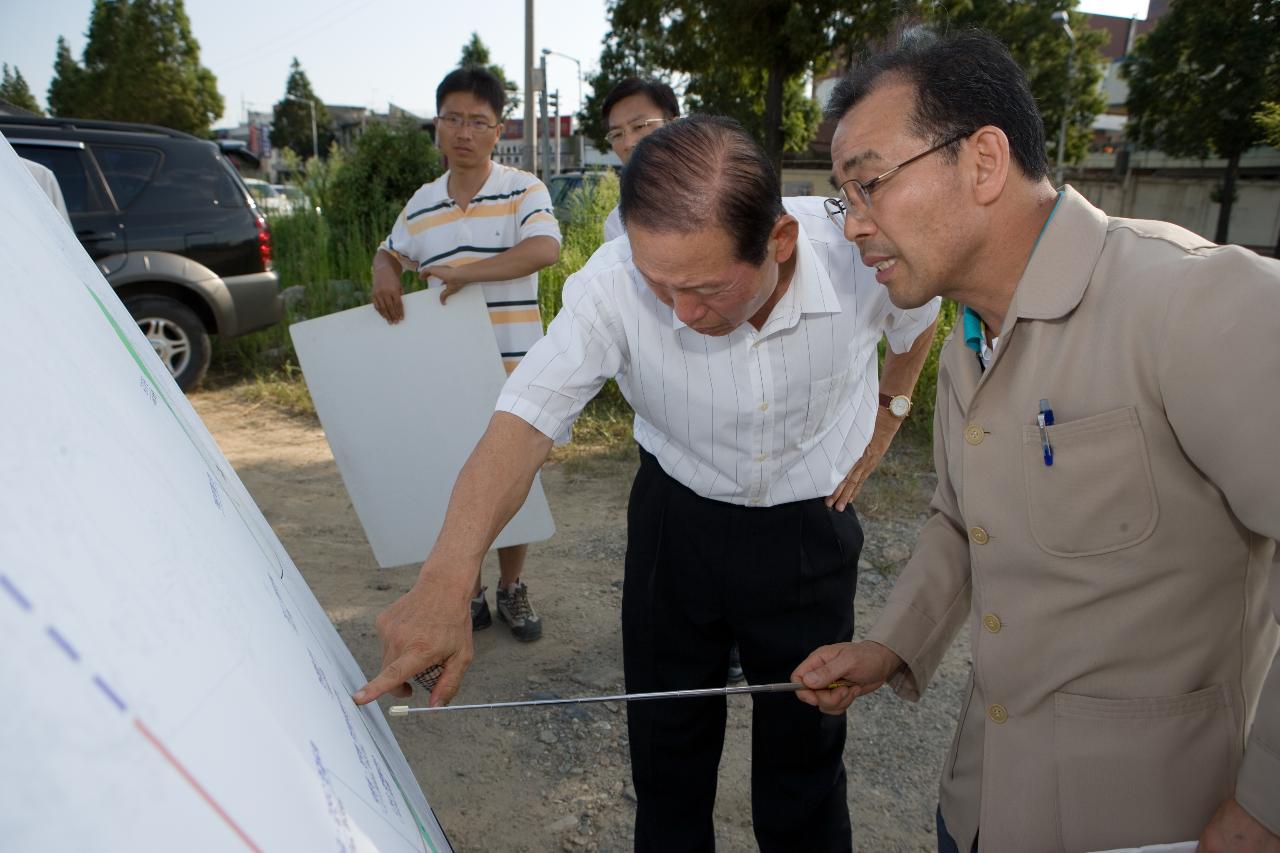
(480, 616)
(514, 609)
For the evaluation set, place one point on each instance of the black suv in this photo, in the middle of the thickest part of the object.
(170, 225)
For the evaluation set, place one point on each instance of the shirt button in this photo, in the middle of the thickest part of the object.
(973, 434)
(764, 407)
(998, 713)
(992, 623)
(762, 457)
(978, 535)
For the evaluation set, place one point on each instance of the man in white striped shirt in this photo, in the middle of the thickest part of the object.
(744, 333)
(478, 223)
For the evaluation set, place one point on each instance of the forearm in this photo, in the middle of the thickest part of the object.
(525, 258)
(384, 261)
(490, 489)
(901, 370)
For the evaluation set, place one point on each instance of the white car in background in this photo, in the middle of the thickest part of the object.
(276, 199)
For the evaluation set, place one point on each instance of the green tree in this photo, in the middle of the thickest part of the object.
(1042, 48)
(476, 53)
(1268, 118)
(382, 170)
(140, 63)
(1199, 78)
(761, 46)
(14, 89)
(291, 116)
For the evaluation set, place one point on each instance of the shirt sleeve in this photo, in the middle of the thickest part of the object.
(931, 598)
(398, 243)
(903, 326)
(565, 369)
(534, 216)
(1218, 366)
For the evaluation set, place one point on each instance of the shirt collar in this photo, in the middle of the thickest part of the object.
(810, 292)
(1062, 261)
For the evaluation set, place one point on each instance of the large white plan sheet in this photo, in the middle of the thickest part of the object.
(402, 408)
(167, 679)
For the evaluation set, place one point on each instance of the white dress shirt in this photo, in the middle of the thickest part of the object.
(752, 418)
(613, 227)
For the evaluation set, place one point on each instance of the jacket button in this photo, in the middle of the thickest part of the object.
(992, 623)
(974, 434)
(997, 713)
(978, 535)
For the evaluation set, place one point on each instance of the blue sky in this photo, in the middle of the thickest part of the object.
(365, 52)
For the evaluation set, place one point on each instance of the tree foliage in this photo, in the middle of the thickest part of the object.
(747, 58)
(476, 53)
(1199, 78)
(14, 89)
(1268, 118)
(384, 167)
(140, 63)
(1042, 48)
(291, 115)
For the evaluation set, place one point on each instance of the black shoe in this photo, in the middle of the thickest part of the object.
(514, 609)
(480, 616)
(735, 667)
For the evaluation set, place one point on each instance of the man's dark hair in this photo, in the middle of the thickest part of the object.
(700, 171)
(655, 90)
(475, 81)
(962, 82)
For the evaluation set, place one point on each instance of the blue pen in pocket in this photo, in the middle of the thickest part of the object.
(1045, 420)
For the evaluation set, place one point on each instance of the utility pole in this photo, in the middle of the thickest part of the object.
(555, 100)
(528, 86)
(546, 128)
(1060, 171)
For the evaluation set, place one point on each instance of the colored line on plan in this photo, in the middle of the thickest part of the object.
(111, 694)
(191, 780)
(62, 643)
(14, 594)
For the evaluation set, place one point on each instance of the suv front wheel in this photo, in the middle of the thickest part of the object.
(176, 334)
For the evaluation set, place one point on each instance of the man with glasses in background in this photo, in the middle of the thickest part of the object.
(632, 110)
(1108, 491)
(742, 328)
(478, 223)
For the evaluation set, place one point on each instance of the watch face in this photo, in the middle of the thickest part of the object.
(899, 406)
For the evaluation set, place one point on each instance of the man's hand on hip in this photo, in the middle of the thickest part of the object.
(418, 630)
(1234, 830)
(867, 664)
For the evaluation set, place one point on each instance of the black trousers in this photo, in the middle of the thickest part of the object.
(701, 575)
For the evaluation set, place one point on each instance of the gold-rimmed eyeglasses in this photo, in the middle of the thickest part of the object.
(855, 196)
(636, 128)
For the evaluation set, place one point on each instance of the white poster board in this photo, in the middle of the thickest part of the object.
(168, 681)
(402, 408)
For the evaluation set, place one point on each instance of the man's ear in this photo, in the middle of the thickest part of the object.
(989, 158)
(783, 237)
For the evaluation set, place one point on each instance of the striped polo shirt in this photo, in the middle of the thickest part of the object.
(511, 206)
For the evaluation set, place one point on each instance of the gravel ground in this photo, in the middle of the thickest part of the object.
(558, 778)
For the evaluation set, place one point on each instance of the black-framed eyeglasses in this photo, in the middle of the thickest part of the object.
(636, 128)
(453, 121)
(857, 195)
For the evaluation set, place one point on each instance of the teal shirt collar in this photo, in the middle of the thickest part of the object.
(973, 336)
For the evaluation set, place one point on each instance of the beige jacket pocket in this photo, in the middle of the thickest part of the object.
(1098, 495)
(1141, 771)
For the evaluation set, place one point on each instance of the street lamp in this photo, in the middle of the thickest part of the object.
(315, 139)
(1061, 18)
(582, 151)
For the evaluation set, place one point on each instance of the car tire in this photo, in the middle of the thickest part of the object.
(177, 336)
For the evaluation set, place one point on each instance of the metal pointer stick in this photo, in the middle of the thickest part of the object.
(782, 687)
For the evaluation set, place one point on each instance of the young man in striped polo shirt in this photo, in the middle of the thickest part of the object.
(478, 223)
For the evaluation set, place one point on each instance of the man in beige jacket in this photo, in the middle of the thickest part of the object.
(1108, 454)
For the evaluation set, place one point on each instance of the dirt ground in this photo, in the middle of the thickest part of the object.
(558, 778)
